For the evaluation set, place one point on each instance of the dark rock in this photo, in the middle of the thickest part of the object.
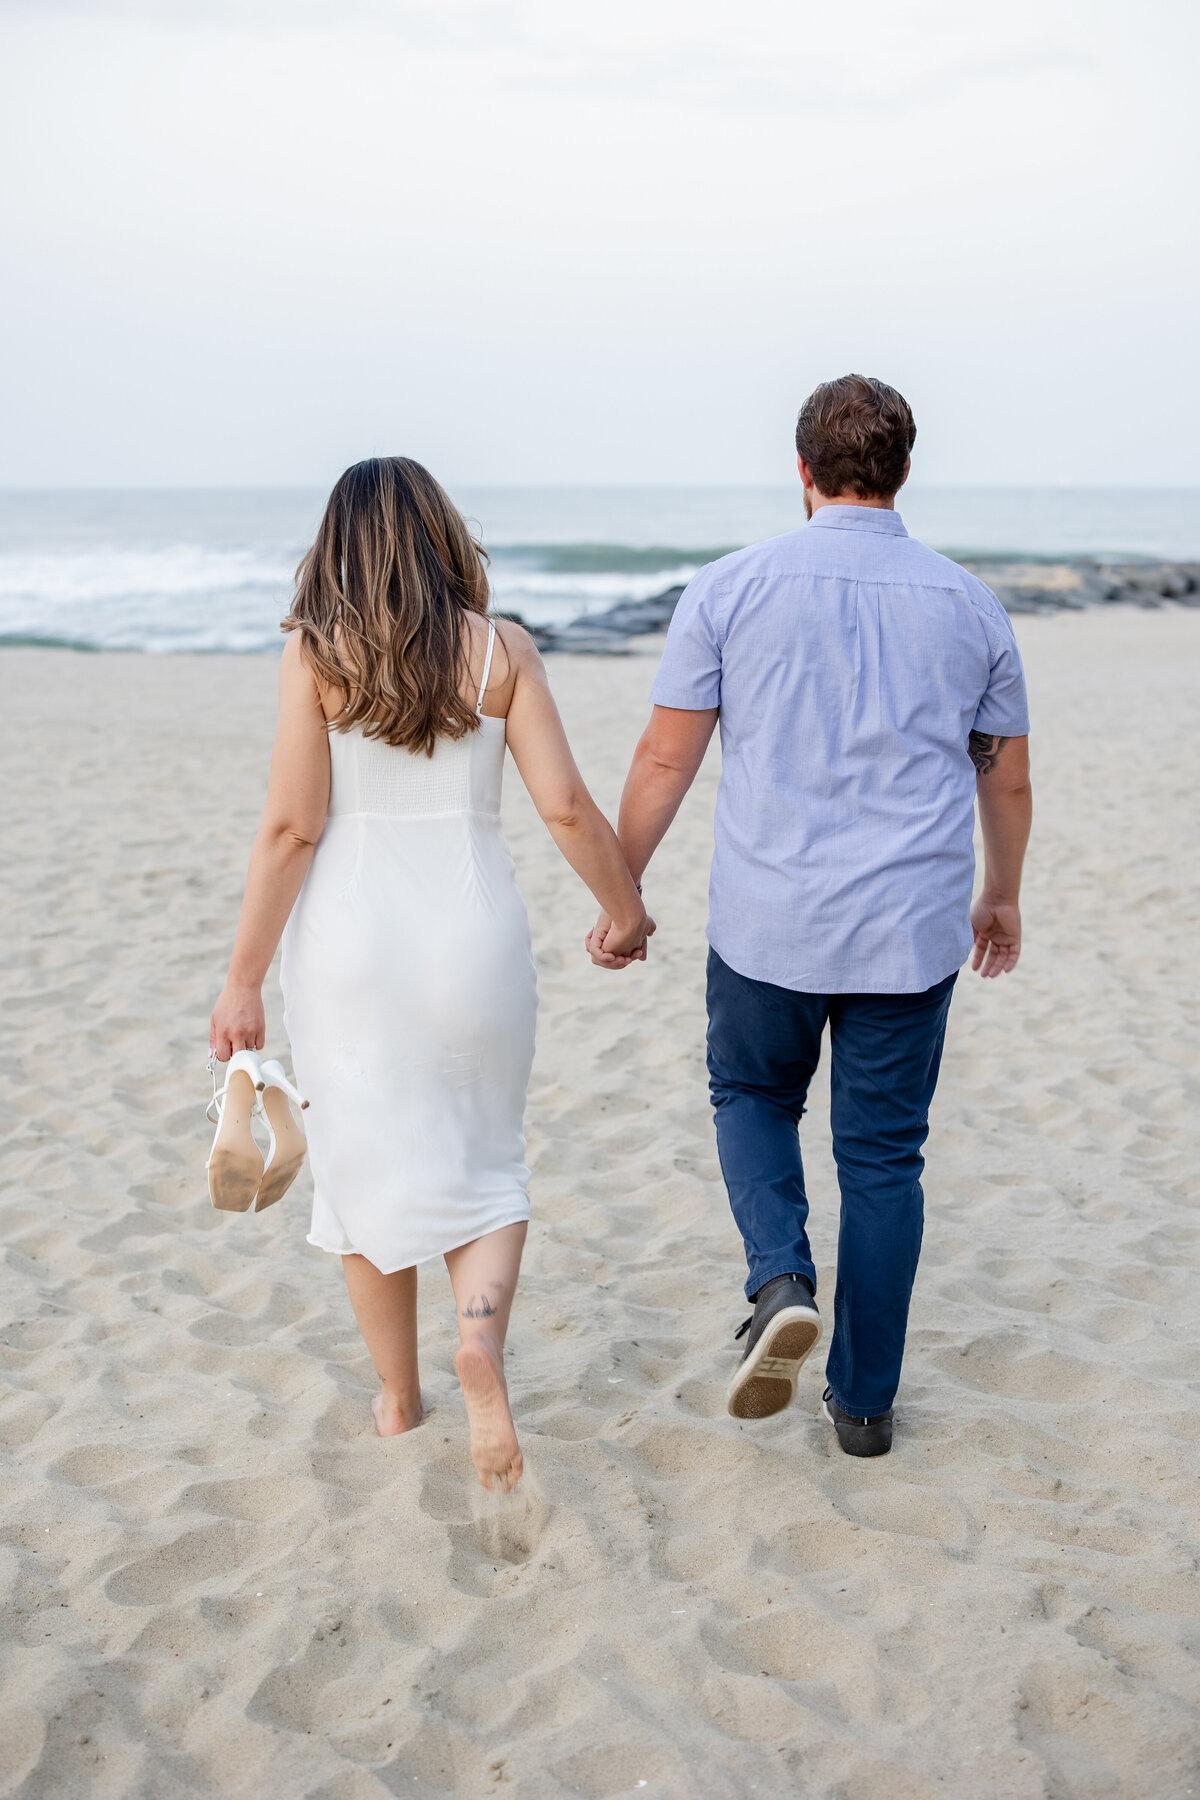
(1169, 581)
(606, 633)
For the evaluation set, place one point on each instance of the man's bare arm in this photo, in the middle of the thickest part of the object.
(664, 766)
(984, 750)
(1005, 814)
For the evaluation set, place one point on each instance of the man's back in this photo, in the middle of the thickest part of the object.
(849, 663)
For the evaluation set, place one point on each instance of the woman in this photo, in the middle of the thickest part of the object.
(409, 988)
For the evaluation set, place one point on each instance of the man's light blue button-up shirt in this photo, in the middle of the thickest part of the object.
(850, 663)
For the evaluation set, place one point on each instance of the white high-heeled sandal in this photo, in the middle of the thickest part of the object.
(235, 1162)
(287, 1147)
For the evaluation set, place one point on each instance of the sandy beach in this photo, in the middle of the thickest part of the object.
(218, 1582)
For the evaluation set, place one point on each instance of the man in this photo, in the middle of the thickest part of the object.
(867, 691)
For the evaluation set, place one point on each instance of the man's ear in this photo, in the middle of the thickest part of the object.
(904, 477)
(806, 474)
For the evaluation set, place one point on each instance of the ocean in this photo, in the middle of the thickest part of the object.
(205, 570)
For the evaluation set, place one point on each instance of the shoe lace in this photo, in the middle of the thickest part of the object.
(743, 1328)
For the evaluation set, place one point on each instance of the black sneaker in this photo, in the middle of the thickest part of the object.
(784, 1327)
(859, 1437)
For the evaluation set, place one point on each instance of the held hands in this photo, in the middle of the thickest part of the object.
(997, 928)
(238, 1022)
(613, 947)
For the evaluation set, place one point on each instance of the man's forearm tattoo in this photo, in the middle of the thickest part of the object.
(479, 1307)
(983, 751)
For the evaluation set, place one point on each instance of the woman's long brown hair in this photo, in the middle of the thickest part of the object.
(380, 603)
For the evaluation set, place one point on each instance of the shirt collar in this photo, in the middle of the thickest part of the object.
(859, 518)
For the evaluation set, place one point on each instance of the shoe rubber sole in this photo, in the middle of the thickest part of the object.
(766, 1381)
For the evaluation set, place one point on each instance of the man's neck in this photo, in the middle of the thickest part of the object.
(817, 500)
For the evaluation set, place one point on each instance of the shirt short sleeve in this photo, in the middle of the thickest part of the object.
(1004, 709)
(689, 675)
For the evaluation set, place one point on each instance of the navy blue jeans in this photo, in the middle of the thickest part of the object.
(764, 1043)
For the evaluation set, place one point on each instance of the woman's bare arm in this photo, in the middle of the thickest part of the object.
(292, 821)
(584, 836)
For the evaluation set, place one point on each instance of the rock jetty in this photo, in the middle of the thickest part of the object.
(1027, 586)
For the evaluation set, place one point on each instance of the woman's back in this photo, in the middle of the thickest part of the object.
(375, 779)
(410, 1000)
(371, 777)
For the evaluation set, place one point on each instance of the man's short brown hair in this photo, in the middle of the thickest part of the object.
(855, 434)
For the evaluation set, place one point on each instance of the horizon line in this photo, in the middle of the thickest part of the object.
(286, 487)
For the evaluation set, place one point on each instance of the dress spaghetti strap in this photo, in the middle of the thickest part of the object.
(487, 665)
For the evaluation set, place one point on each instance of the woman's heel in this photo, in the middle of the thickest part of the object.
(235, 1163)
(287, 1148)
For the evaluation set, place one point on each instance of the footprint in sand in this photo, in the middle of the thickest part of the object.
(510, 1526)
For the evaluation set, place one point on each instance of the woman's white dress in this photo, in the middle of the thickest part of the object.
(410, 1000)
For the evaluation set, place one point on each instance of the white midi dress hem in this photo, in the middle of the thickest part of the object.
(519, 1217)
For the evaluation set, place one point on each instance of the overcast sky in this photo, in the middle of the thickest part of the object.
(526, 241)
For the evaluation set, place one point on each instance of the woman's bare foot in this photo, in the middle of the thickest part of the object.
(494, 1448)
(392, 1417)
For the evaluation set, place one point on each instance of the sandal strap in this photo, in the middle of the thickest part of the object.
(214, 1111)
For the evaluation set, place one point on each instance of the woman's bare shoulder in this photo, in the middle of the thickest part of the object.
(519, 646)
(515, 656)
(294, 667)
(299, 682)
(513, 637)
